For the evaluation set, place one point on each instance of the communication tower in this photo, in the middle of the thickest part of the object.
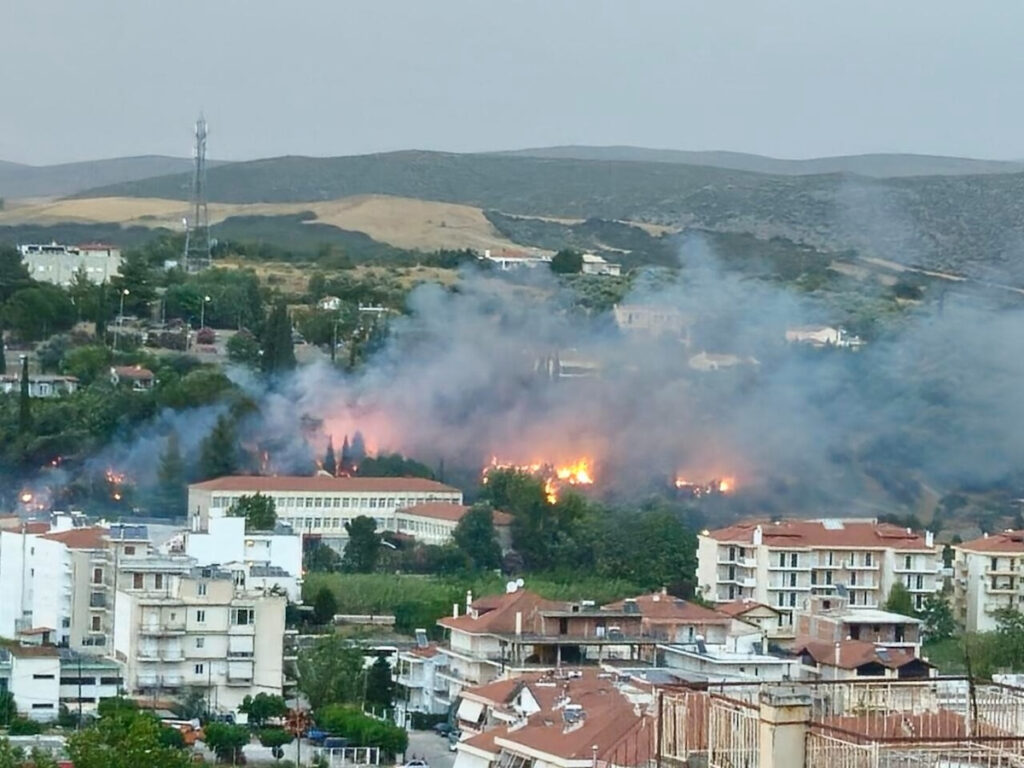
(197, 225)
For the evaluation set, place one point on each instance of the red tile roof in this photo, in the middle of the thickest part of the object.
(36, 527)
(664, 607)
(855, 653)
(838, 534)
(1009, 542)
(29, 651)
(501, 619)
(133, 372)
(485, 741)
(437, 510)
(323, 484)
(80, 538)
(738, 608)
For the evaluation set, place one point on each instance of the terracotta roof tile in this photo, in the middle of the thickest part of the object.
(322, 484)
(858, 534)
(80, 538)
(501, 619)
(1010, 542)
(438, 510)
(855, 653)
(658, 606)
(738, 608)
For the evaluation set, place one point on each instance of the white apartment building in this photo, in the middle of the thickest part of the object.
(58, 264)
(420, 687)
(739, 658)
(783, 564)
(321, 505)
(988, 576)
(176, 625)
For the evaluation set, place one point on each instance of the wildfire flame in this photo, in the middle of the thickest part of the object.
(555, 477)
(721, 485)
(26, 497)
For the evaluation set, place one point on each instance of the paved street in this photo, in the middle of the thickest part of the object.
(431, 747)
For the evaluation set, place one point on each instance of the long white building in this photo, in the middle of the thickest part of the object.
(58, 264)
(783, 564)
(988, 577)
(322, 505)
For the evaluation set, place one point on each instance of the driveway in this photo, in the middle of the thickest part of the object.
(430, 747)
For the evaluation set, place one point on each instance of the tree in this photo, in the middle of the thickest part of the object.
(392, 465)
(3, 353)
(324, 606)
(172, 490)
(24, 403)
(380, 687)
(363, 548)
(567, 261)
(476, 537)
(939, 623)
(124, 738)
(8, 709)
(320, 557)
(331, 672)
(13, 272)
(278, 350)
(218, 454)
(262, 707)
(899, 600)
(330, 462)
(36, 312)
(22, 726)
(136, 276)
(362, 730)
(275, 738)
(87, 364)
(191, 704)
(243, 348)
(357, 451)
(226, 740)
(259, 511)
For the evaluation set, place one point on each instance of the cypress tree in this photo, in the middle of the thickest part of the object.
(358, 448)
(218, 454)
(346, 456)
(278, 351)
(24, 406)
(172, 497)
(3, 353)
(330, 462)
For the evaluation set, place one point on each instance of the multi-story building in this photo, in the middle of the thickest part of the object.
(830, 619)
(420, 687)
(177, 625)
(58, 264)
(322, 505)
(782, 564)
(988, 577)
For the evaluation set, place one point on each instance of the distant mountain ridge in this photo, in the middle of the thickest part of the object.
(879, 165)
(19, 181)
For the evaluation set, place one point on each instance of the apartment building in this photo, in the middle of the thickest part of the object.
(420, 687)
(177, 625)
(782, 564)
(322, 505)
(988, 577)
(830, 619)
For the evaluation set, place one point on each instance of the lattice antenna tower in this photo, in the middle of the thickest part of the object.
(197, 225)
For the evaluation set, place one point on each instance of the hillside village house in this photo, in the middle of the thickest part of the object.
(988, 576)
(655, 321)
(783, 564)
(821, 336)
(598, 265)
(40, 385)
(830, 619)
(133, 376)
(58, 264)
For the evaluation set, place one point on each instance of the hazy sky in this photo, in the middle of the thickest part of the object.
(84, 79)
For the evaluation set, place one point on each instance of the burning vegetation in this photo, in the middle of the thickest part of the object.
(720, 486)
(555, 476)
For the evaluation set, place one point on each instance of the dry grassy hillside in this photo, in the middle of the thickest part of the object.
(402, 222)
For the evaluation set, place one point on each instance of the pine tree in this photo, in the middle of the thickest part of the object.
(330, 463)
(101, 314)
(3, 353)
(346, 456)
(24, 405)
(278, 351)
(218, 454)
(172, 492)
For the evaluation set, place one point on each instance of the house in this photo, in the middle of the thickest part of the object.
(759, 615)
(40, 385)
(674, 620)
(329, 304)
(59, 264)
(988, 576)
(654, 321)
(136, 377)
(851, 659)
(711, 361)
(419, 686)
(506, 261)
(32, 674)
(830, 619)
(597, 265)
(784, 563)
(821, 336)
(739, 658)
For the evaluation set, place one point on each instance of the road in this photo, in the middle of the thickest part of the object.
(431, 747)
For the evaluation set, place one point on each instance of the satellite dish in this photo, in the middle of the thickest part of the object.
(520, 582)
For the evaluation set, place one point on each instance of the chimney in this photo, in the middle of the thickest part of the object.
(519, 623)
(455, 610)
(929, 539)
(757, 536)
(469, 599)
(764, 644)
(838, 646)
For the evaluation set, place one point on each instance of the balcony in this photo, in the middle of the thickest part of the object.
(239, 680)
(747, 583)
(172, 654)
(852, 565)
(148, 654)
(242, 655)
(1003, 570)
(991, 606)
(164, 628)
(1002, 588)
(776, 567)
(173, 681)
(242, 629)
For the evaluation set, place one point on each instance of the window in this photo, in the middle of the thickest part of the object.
(732, 572)
(906, 562)
(831, 556)
(853, 579)
(853, 601)
(782, 559)
(814, 578)
(792, 579)
(828, 577)
(336, 501)
(242, 616)
(158, 581)
(781, 599)
(43, 706)
(137, 581)
(792, 599)
(920, 581)
(318, 522)
(129, 550)
(200, 642)
(199, 669)
(201, 588)
(344, 503)
(867, 559)
(732, 553)
(995, 563)
(309, 501)
(110, 681)
(97, 575)
(373, 503)
(201, 617)
(96, 624)
(793, 560)
(42, 677)
(732, 593)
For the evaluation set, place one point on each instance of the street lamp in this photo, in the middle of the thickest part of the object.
(202, 312)
(120, 318)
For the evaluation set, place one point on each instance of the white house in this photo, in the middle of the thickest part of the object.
(40, 385)
(58, 264)
(597, 265)
(508, 262)
(821, 336)
(988, 577)
(740, 658)
(32, 674)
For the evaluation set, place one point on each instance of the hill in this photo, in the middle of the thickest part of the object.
(873, 165)
(20, 181)
(970, 224)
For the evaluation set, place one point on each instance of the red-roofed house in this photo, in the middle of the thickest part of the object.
(850, 659)
(136, 377)
(781, 564)
(989, 577)
(673, 620)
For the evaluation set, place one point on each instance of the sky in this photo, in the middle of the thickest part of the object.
(86, 80)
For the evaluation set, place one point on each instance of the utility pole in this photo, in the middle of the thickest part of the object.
(197, 230)
(78, 725)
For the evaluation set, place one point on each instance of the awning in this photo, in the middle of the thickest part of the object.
(470, 711)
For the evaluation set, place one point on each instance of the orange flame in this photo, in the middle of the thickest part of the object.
(722, 485)
(578, 472)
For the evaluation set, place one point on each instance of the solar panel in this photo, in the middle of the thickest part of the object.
(842, 591)
(702, 648)
(421, 638)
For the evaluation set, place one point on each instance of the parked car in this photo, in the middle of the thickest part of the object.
(335, 742)
(316, 736)
(443, 729)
